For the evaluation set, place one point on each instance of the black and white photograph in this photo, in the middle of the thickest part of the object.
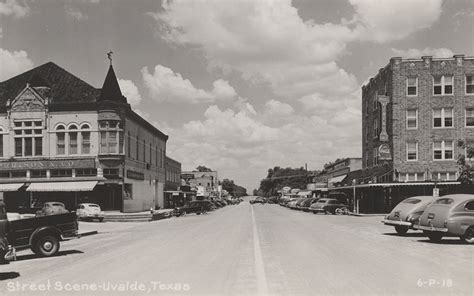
(236, 147)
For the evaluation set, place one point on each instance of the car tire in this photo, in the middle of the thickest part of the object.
(435, 237)
(339, 211)
(101, 219)
(468, 237)
(401, 230)
(47, 246)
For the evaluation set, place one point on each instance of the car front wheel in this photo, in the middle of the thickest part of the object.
(401, 230)
(468, 237)
(46, 246)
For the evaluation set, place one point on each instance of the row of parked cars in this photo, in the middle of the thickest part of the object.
(449, 215)
(315, 205)
(203, 206)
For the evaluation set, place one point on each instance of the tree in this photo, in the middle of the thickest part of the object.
(202, 168)
(233, 189)
(465, 169)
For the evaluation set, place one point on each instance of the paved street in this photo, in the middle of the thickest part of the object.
(249, 250)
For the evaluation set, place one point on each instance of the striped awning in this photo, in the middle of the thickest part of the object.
(337, 179)
(62, 186)
(10, 187)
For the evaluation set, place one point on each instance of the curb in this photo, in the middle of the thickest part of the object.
(88, 233)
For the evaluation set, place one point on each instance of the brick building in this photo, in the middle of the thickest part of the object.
(173, 195)
(413, 113)
(62, 139)
(205, 183)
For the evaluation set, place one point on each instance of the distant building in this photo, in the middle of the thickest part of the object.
(62, 139)
(205, 183)
(173, 195)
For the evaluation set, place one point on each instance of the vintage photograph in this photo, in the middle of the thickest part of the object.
(236, 147)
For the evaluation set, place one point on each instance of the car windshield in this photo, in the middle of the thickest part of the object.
(58, 205)
(321, 201)
(444, 201)
(93, 206)
(411, 200)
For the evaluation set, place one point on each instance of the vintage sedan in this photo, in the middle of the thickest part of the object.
(196, 206)
(52, 208)
(450, 215)
(307, 203)
(327, 206)
(407, 213)
(259, 200)
(89, 211)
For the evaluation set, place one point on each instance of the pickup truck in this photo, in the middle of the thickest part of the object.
(41, 234)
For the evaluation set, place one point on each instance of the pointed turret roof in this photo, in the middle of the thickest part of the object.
(111, 89)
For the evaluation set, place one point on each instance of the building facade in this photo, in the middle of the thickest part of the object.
(414, 111)
(62, 139)
(205, 183)
(174, 197)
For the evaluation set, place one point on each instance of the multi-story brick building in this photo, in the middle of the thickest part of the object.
(64, 140)
(173, 195)
(414, 111)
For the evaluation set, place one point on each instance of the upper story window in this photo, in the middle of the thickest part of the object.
(111, 137)
(60, 140)
(376, 156)
(443, 150)
(469, 117)
(72, 139)
(443, 84)
(470, 84)
(412, 86)
(1, 142)
(412, 151)
(412, 118)
(28, 137)
(443, 117)
(85, 139)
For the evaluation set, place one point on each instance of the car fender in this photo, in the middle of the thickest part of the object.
(51, 230)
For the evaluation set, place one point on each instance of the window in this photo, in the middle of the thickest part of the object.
(376, 128)
(38, 173)
(72, 139)
(412, 119)
(442, 84)
(60, 140)
(412, 177)
(85, 139)
(111, 137)
(412, 151)
(61, 173)
(412, 85)
(1, 142)
(469, 206)
(443, 150)
(86, 172)
(469, 117)
(469, 84)
(444, 176)
(28, 138)
(376, 156)
(129, 146)
(137, 148)
(111, 173)
(443, 117)
(144, 150)
(18, 174)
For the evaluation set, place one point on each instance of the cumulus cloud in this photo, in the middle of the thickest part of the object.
(13, 63)
(130, 91)
(384, 21)
(428, 51)
(166, 85)
(13, 8)
(268, 42)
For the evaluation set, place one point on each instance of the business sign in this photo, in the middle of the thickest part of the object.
(384, 152)
(47, 164)
(435, 192)
(187, 176)
(135, 175)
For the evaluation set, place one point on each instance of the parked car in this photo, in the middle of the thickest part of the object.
(450, 215)
(327, 206)
(259, 199)
(298, 205)
(196, 206)
(407, 213)
(89, 211)
(292, 203)
(52, 208)
(42, 234)
(307, 203)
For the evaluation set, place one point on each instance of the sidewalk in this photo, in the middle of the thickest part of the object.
(90, 228)
(368, 215)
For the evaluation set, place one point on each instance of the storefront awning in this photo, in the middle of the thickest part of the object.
(10, 187)
(387, 185)
(62, 186)
(337, 179)
(304, 193)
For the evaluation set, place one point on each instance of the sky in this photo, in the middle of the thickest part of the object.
(239, 86)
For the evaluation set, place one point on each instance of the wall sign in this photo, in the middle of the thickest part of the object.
(384, 152)
(135, 175)
(47, 164)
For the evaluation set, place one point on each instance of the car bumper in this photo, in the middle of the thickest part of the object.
(430, 228)
(396, 223)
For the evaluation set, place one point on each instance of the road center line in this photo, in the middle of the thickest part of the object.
(259, 269)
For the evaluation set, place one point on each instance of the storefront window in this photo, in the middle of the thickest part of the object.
(61, 173)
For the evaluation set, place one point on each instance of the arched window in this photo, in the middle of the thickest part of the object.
(60, 140)
(85, 139)
(72, 139)
(1, 142)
